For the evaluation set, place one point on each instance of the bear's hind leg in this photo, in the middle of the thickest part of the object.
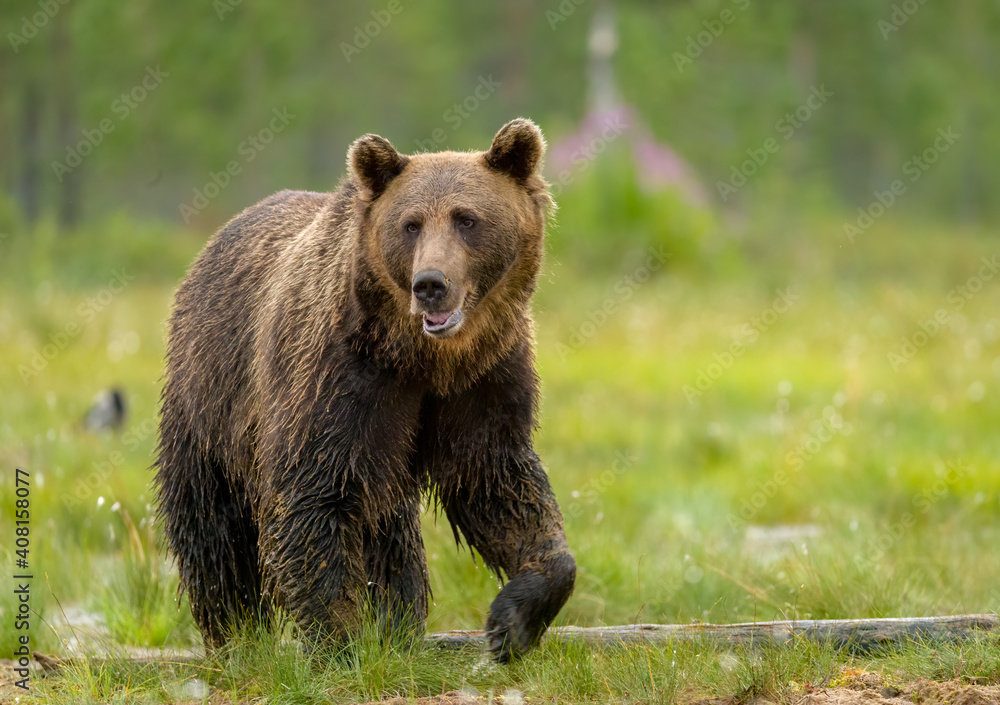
(396, 569)
(210, 530)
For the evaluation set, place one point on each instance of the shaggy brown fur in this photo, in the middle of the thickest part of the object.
(314, 392)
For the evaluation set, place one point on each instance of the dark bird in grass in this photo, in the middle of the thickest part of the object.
(108, 411)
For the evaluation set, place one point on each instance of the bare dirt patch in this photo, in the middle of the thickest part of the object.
(873, 689)
(855, 688)
(456, 697)
(8, 691)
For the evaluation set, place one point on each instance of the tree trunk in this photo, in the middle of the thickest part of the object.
(67, 128)
(31, 149)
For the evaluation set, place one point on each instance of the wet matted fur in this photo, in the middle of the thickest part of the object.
(314, 394)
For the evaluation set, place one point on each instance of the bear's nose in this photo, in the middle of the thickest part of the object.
(430, 285)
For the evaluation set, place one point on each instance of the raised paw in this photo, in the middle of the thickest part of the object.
(526, 606)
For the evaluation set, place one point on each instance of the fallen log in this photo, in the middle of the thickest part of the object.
(859, 634)
(856, 634)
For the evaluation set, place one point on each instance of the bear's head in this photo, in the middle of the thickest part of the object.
(453, 238)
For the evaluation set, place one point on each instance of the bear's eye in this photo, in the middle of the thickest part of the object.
(467, 222)
(412, 228)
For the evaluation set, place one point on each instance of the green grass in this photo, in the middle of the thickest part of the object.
(895, 472)
(260, 666)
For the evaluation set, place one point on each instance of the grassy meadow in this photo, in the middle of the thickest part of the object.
(782, 423)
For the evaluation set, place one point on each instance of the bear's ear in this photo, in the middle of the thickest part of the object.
(517, 149)
(374, 162)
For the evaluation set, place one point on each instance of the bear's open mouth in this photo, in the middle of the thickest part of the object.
(443, 324)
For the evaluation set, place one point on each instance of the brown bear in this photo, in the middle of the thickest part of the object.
(332, 357)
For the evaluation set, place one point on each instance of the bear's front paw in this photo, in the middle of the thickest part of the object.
(508, 630)
(507, 634)
(526, 606)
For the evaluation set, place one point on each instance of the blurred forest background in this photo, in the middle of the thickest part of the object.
(226, 65)
(768, 326)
